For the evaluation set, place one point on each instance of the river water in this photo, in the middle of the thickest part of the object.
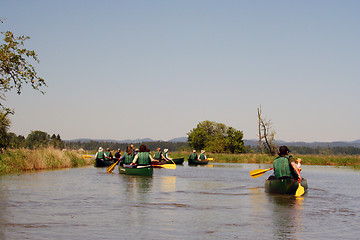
(220, 201)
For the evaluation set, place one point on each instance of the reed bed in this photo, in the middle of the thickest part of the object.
(46, 158)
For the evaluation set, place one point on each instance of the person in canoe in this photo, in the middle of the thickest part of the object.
(193, 156)
(108, 154)
(143, 157)
(117, 154)
(165, 155)
(128, 156)
(100, 155)
(202, 156)
(284, 165)
(157, 154)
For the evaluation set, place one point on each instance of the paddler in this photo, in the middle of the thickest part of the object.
(284, 165)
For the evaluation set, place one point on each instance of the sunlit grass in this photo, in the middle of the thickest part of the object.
(46, 158)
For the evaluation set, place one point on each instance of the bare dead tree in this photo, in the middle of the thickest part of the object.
(266, 135)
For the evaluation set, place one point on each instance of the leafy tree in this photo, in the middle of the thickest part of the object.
(216, 137)
(16, 70)
(15, 67)
(37, 139)
(15, 141)
(4, 127)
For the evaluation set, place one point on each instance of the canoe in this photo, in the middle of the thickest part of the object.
(105, 163)
(197, 162)
(284, 185)
(136, 170)
(177, 161)
(157, 164)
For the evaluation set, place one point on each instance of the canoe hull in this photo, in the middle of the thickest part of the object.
(140, 171)
(105, 163)
(197, 162)
(177, 161)
(284, 186)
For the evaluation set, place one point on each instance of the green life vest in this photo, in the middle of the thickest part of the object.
(100, 155)
(158, 155)
(202, 156)
(107, 154)
(193, 156)
(143, 158)
(128, 158)
(282, 167)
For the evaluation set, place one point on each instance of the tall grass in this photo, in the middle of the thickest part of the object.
(19, 160)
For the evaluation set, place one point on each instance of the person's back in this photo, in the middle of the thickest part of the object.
(128, 158)
(282, 167)
(193, 156)
(143, 158)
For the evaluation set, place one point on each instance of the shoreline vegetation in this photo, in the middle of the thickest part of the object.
(25, 160)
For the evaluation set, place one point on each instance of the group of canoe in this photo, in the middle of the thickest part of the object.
(284, 185)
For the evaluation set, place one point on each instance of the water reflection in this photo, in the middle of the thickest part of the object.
(287, 213)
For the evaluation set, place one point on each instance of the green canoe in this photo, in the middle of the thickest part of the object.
(197, 162)
(284, 185)
(177, 161)
(103, 163)
(138, 170)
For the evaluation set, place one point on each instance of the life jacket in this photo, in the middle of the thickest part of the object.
(282, 167)
(193, 156)
(158, 155)
(100, 155)
(202, 156)
(108, 154)
(128, 158)
(143, 158)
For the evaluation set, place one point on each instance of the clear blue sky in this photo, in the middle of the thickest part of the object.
(138, 69)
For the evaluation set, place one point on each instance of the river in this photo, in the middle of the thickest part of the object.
(219, 201)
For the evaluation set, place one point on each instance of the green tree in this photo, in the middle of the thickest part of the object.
(16, 141)
(216, 137)
(37, 139)
(16, 70)
(234, 141)
(15, 67)
(4, 127)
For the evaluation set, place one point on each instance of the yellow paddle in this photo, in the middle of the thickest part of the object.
(111, 168)
(168, 166)
(210, 159)
(172, 166)
(258, 172)
(300, 191)
(88, 156)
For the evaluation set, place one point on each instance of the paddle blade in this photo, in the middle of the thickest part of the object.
(300, 191)
(112, 167)
(258, 172)
(168, 166)
(88, 156)
(210, 159)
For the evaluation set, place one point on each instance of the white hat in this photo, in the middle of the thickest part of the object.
(166, 150)
(202, 151)
(101, 149)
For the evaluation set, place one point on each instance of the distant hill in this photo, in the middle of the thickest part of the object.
(251, 142)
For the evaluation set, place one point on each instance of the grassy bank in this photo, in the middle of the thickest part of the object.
(13, 161)
(332, 160)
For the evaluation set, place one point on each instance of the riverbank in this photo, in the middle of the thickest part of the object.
(20, 160)
(332, 160)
